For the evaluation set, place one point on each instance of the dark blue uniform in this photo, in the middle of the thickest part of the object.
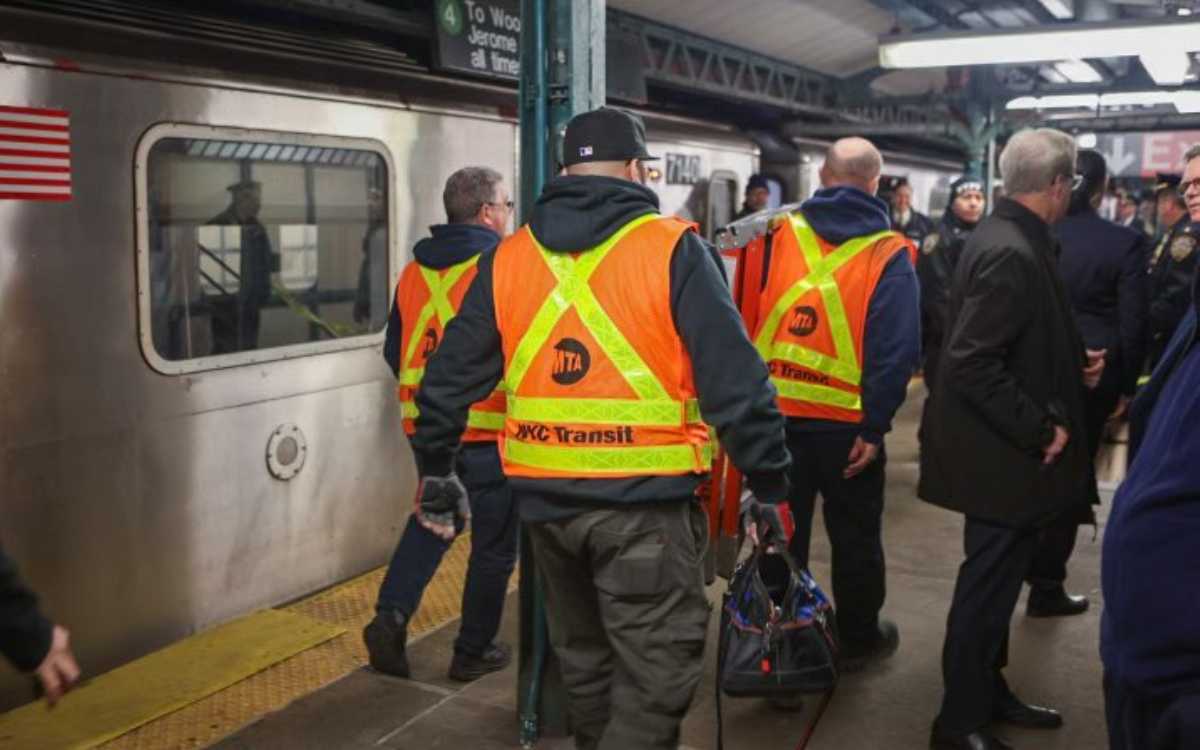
(917, 228)
(1172, 266)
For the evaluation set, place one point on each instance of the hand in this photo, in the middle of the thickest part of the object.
(1121, 410)
(861, 456)
(58, 671)
(1051, 452)
(440, 502)
(1094, 368)
(766, 521)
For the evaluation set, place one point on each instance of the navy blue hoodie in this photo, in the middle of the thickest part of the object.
(892, 342)
(448, 245)
(1150, 569)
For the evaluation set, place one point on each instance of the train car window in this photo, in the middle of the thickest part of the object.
(260, 246)
(722, 199)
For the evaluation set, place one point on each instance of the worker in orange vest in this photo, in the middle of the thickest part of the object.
(618, 346)
(429, 295)
(839, 328)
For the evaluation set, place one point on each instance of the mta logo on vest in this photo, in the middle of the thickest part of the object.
(803, 322)
(571, 362)
(430, 343)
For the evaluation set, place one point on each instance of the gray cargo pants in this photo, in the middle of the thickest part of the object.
(628, 616)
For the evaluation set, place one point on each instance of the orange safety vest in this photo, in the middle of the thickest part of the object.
(599, 383)
(813, 316)
(427, 299)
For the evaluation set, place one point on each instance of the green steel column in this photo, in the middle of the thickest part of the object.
(562, 73)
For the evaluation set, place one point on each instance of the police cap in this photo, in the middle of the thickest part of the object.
(605, 134)
(1164, 181)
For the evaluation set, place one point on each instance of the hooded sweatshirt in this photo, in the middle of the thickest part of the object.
(576, 214)
(892, 341)
(448, 245)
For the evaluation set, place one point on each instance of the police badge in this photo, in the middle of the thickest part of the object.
(927, 247)
(1182, 247)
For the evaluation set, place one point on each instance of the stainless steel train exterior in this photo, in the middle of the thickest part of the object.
(154, 481)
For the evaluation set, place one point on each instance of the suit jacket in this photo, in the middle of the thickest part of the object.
(1103, 269)
(1011, 369)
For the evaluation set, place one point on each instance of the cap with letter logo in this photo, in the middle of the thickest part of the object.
(605, 134)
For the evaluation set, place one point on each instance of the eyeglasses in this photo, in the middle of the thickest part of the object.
(1184, 187)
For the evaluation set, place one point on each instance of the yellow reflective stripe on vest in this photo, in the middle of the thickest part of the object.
(439, 286)
(603, 411)
(573, 291)
(607, 459)
(480, 420)
(816, 394)
(820, 276)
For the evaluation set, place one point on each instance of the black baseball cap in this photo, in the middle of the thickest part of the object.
(605, 134)
(1164, 181)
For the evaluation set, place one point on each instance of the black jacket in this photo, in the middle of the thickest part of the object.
(1172, 266)
(935, 269)
(24, 632)
(1011, 367)
(1103, 269)
(576, 214)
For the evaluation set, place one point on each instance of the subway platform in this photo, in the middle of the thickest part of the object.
(1055, 662)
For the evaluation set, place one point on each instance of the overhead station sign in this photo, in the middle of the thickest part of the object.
(481, 37)
(1144, 154)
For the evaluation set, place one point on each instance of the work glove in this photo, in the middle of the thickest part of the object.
(441, 501)
(766, 523)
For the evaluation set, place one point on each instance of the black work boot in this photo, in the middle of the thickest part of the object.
(467, 668)
(385, 637)
(1054, 601)
(856, 656)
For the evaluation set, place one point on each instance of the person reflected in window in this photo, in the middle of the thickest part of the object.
(370, 301)
(236, 315)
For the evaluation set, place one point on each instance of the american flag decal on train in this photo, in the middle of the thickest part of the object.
(35, 154)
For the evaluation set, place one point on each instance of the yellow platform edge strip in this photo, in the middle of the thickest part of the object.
(163, 682)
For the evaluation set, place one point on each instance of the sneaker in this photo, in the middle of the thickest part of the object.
(385, 638)
(857, 656)
(467, 668)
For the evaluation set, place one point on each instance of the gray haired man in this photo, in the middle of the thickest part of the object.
(1003, 437)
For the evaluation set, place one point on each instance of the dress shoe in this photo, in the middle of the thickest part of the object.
(855, 657)
(385, 638)
(467, 668)
(1013, 711)
(1054, 602)
(974, 741)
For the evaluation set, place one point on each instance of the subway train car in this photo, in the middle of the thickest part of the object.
(196, 267)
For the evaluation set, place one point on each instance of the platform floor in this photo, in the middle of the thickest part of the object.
(1054, 662)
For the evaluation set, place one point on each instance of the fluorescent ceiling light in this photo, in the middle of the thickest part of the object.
(1185, 102)
(1077, 71)
(1086, 140)
(1061, 9)
(1166, 67)
(1061, 101)
(1044, 44)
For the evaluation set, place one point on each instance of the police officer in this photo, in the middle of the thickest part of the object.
(618, 344)
(1172, 265)
(429, 294)
(840, 331)
(1101, 265)
(935, 267)
(907, 220)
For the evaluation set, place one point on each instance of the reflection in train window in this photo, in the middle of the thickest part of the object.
(257, 245)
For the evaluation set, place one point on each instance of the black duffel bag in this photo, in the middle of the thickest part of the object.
(778, 634)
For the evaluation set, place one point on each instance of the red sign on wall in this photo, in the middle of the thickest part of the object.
(35, 154)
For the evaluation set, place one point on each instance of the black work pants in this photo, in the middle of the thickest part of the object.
(1049, 567)
(976, 648)
(1137, 721)
(853, 511)
(627, 615)
(493, 553)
